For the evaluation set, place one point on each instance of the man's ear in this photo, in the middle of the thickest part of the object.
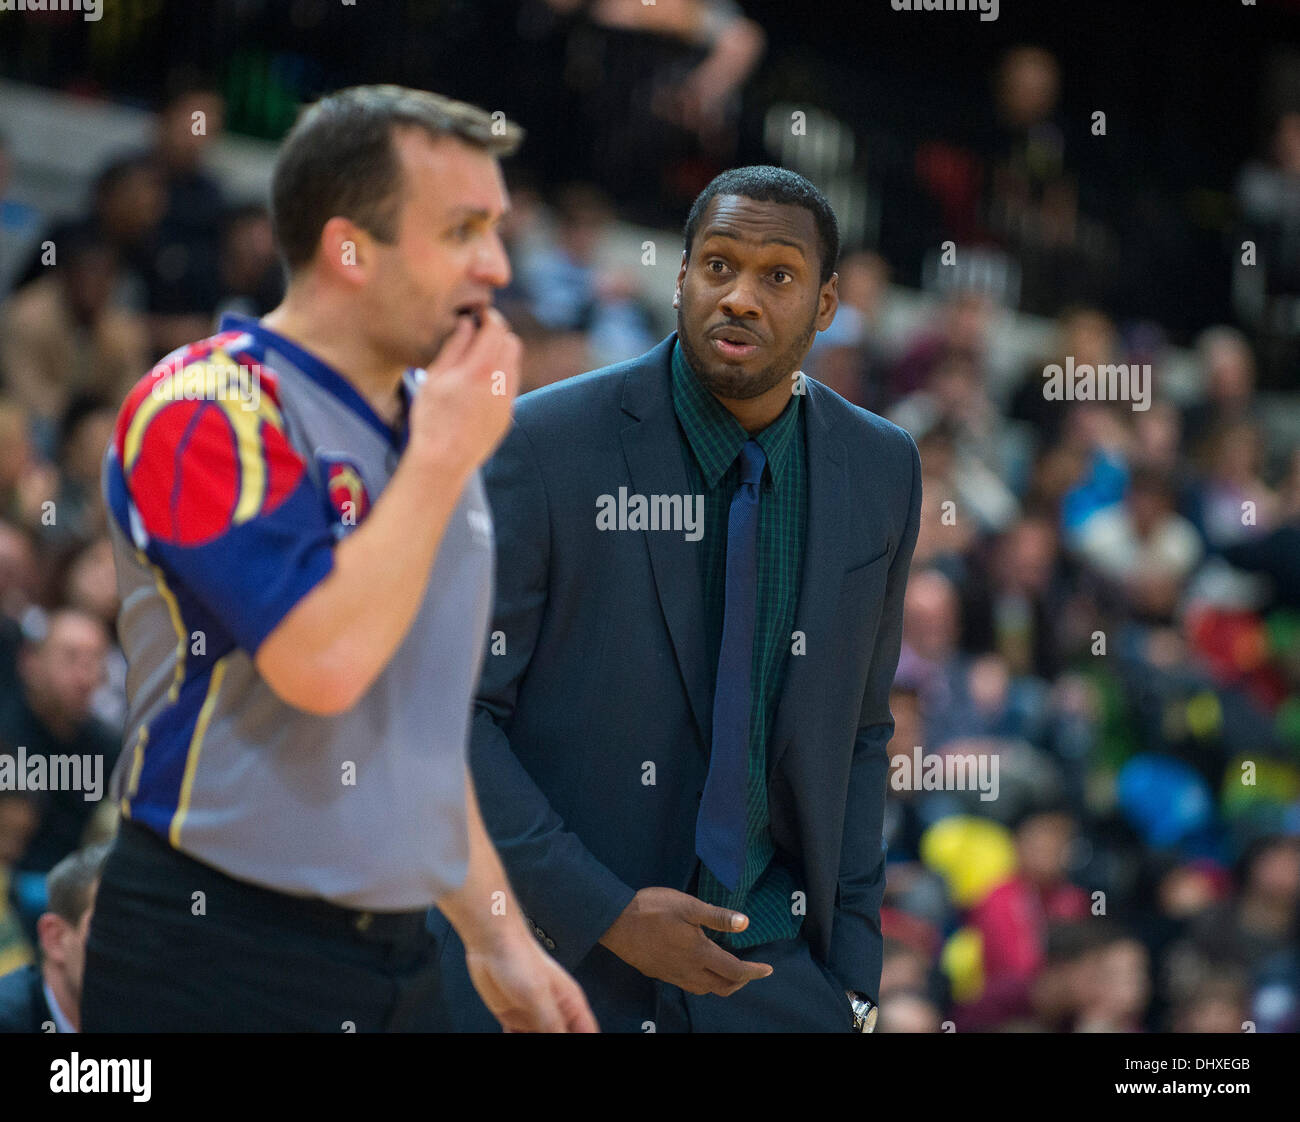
(50, 930)
(345, 250)
(828, 302)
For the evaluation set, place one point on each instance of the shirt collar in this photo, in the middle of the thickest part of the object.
(60, 1021)
(323, 374)
(715, 436)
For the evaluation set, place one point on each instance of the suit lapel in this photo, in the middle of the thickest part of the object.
(825, 547)
(652, 449)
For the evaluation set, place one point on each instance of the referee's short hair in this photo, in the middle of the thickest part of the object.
(68, 884)
(339, 160)
(767, 184)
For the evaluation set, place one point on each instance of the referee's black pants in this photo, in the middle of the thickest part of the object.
(251, 960)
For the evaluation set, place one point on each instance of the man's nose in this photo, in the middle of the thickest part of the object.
(740, 301)
(492, 263)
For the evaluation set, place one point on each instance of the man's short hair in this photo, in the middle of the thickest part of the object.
(339, 159)
(68, 884)
(766, 184)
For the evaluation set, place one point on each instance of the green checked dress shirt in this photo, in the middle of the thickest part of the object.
(711, 443)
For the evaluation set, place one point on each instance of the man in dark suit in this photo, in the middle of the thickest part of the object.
(680, 733)
(47, 998)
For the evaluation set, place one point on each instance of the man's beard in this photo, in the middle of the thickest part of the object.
(728, 382)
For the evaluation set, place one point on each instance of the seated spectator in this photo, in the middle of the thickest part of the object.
(61, 336)
(252, 282)
(1118, 990)
(25, 481)
(1232, 459)
(17, 590)
(19, 220)
(955, 398)
(1013, 919)
(49, 715)
(1015, 600)
(19, 816)
(569, 291)
(184, 276)
(1142, 546)
(126, 206)
(85, 432)
(1227, 371)
(35, 998)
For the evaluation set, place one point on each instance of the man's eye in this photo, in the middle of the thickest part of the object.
(777, 273)
(462, 233)
(720, 266)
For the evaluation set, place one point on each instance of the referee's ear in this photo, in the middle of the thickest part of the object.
(346, 252)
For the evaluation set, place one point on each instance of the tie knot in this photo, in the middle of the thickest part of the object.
(752, 459)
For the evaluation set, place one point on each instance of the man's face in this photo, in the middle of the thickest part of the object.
(63, 945)
(64, 672)
(448, 258)
(750, 298)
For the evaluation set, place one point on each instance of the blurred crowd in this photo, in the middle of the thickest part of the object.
(1104, 598)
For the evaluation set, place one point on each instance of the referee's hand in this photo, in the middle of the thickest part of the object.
(462, 410)
(526, 989)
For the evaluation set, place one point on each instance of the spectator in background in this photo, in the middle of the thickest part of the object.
(127, 202)
(1264, 918)
(1082, 333)
(19, 816)
(252, 282)
(959, 329)
(1268, 194)
(1227, 372)
(17, 590)
(25, 481)
(955, 397)
(50, 715)
(184, 278)
(567, 289)
(1232, 461)
(1118, 990)
(35, 996)
(1016, 598)
(1142, 546)
(659, 89)
(86, 430)
(1032, 202)
(852, 355)
(61, 336)
(1013, 918)
(90, 586)
(19, 221)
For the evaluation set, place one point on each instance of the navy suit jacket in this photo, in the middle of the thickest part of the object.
(23, 1007)
(590, 741)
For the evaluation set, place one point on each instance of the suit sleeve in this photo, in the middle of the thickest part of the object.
(856, 942)
(566, 892)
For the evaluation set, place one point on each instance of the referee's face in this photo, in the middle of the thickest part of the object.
(750, 298)
(448, 259)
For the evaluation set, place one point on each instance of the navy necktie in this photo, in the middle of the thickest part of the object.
(721, 826)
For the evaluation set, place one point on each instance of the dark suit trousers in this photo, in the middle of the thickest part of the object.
(800, 995)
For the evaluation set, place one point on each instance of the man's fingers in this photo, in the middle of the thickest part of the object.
(731, 968)
(719, 919)
(574, 1010)
(453, 351)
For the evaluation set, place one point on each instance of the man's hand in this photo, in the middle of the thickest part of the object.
(660, 933)
(527, 990)
(462, 411)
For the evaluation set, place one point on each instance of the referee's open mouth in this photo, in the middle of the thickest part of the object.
(474, 309)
